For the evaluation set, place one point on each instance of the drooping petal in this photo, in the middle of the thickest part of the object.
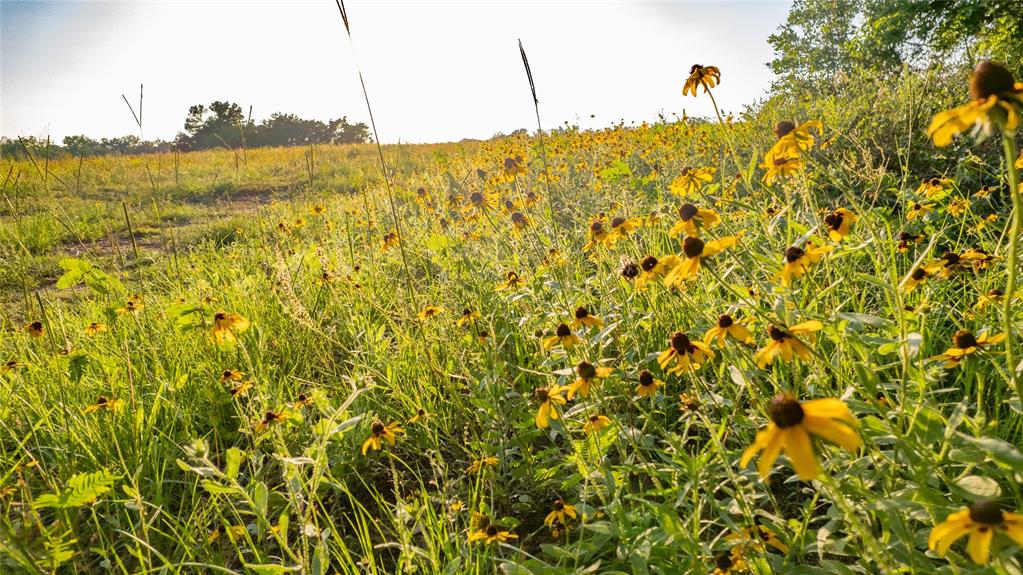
(833, 431)
(829, 408)
(771, 451)
(945, 534)
(800, 450)
(979, 546)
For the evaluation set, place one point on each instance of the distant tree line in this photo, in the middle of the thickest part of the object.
(219, 125)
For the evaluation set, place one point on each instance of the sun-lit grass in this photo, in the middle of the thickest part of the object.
(144, 428)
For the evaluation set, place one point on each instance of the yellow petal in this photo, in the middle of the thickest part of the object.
(800, 452)
(833, 431)
(979, 546)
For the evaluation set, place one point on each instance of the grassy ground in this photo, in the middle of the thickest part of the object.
(169, 438)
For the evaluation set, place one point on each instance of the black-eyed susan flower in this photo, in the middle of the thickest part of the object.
(920, 275)
(587, 375)
(519, 222)
(389, 241)
(482, 463)
(934, 188)
(981, 521)
(227, 325)
(304, 400)
(730, 562)
(95, 328)
(758, 538)
(621, 228)
(997, 100)
(511, 281)
(692, 219)
(229, 375)
(683, 354)
(964, 343)
(629, 269)
(784, 343)
(907, 239)
(798, 260)
(560, 513)
(696, 250)
(690, 180)
(651, 268)
(563, 336)
(467, 318)
(317, 209)
(10, 366)
(380, 433)
(989, 298)
(725, 328)
(958, 207)
(430, 311)
(919, 211)
(584, 319)
(513, 166)
(792, 139)
(648, 384)
(839, 223)
(792, 426)
(781, 167)
(549, 400)
(595, 423)
(706, 76)
(103, 403)
(241, 388)
(34, 329)
(420, 415)
(596, 233)
(271, 418)
(491, 534)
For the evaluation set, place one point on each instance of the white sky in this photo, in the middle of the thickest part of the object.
(436, 70)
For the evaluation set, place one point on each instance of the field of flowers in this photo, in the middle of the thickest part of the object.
(684, 347)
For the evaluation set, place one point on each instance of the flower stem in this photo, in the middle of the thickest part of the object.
(1009, 144)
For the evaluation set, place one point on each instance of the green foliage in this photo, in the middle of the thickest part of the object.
(81, 489)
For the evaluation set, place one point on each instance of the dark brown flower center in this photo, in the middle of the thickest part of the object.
(102, 400)
(777, 334)
(648, 263)
(918, 274)
(646, 378)
(725, 321)
(492, 530)
(990, 79)
(559, 505)
(723, 561)
(617, 221)
(680, 342)
(986, 513)
(219, 316)
(586, 370)
(793, 254)
(785, 411)
(783, 127)
(692, 247)
(377, 428)
(581, 312)
(563, 330)
(596, 227)
(687, 212)
(518, 218)
(995, 293)
(834, 220)
(476, 198)
(951, 258)
(594, 418)
(964, 339)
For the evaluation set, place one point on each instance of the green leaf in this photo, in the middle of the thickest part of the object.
(269, 568)
(1002, 452)
(979, 487)
(81, 489)
(234, 462)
